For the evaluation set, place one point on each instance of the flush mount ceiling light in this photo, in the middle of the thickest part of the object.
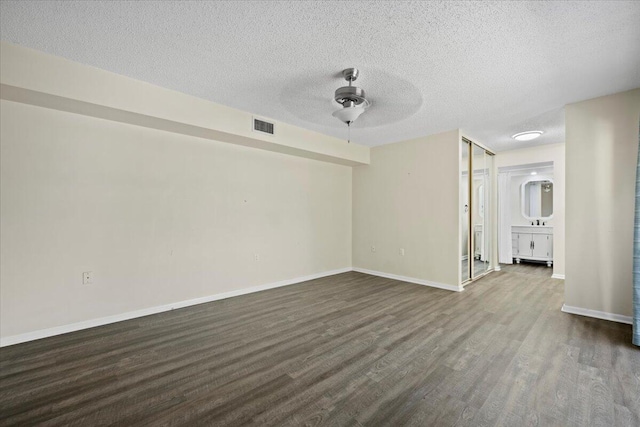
(528, 135)
(352, 99)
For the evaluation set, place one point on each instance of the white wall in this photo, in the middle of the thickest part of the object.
(545, 153)
(408, 197)
(158, 217)
(602, 149)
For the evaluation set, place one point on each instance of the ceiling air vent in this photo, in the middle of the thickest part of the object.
(262, 126)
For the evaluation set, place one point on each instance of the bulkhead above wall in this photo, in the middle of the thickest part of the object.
(36, 78)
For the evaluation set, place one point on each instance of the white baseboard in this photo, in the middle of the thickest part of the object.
(597, 314)
(58, 330)
(410, 279)
(464, 257)
(497, 268)
(557, 276)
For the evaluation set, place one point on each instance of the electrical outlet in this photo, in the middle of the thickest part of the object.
(256, 257)
(373, 248)
(87, 277)
(401, 251)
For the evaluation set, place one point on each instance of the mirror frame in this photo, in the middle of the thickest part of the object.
(522, 196)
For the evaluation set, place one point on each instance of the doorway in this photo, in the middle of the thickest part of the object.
(526, 215)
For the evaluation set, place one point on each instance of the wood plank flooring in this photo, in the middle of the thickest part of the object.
(350, 349)
(538, 268)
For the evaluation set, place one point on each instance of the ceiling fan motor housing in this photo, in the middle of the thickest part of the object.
(350, 93)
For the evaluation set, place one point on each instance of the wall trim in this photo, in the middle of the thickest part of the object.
(458, 288)
(59, 330)
(497, 268)
(557, 276)
(597, 314)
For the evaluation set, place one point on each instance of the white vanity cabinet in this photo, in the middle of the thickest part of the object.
(533, 243)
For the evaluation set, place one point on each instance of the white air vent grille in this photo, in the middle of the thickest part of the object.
(262, 126)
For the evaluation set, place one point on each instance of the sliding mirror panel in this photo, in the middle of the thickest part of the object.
(485, 172)
(465, 218)
(481, 191)
(477, 212)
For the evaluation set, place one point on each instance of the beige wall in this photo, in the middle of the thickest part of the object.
(158, 217)
(602, 148)
(408, 198)
(545, 153)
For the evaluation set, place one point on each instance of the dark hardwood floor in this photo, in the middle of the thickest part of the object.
(350, 349)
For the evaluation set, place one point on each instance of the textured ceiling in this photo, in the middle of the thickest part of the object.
(490, 68)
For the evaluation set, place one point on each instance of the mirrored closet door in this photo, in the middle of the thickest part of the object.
(465, 205)
(476, 210)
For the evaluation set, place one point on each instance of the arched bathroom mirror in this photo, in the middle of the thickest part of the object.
(536, 199)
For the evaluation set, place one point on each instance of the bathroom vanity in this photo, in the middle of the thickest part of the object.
(533, 243)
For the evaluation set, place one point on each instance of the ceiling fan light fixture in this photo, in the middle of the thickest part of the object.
(348, 114)
(527, 136)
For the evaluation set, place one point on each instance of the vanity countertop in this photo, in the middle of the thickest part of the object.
(543, 229)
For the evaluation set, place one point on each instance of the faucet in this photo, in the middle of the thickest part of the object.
(538, 222)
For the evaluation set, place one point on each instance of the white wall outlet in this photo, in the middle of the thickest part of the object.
(87, 277)
(373, 248)
(256, 257)
(401, 251)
